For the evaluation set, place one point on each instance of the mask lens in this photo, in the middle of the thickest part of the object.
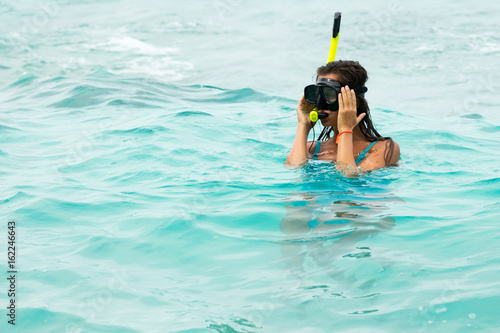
(311, 93)
(330, 94)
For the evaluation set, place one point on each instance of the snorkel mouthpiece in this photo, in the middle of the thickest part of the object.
(315, 115)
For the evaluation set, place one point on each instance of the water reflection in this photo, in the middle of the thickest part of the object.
(327, 220)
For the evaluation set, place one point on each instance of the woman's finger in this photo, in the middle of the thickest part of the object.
(360, 117)
(347, 97)
(302, 101)
(353, 100)
(304, 105)
(341, 101)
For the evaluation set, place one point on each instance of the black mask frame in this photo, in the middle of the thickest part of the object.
(324, 94)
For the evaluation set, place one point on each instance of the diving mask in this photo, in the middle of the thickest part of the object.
(324, 94)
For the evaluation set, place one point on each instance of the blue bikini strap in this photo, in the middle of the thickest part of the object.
(316, 151)
(362, 155)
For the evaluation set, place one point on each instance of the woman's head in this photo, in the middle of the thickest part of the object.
(350, 73)
(354, 75)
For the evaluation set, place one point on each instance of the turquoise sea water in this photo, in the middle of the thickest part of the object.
(141, 156)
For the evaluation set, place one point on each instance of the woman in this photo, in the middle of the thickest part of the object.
(355, 142)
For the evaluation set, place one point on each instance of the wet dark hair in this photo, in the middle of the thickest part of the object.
(354, 75)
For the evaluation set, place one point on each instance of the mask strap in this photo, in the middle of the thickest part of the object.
(361, 90)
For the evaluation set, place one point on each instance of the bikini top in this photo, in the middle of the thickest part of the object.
(360, 158)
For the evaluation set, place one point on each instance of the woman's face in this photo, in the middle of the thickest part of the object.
(331, 120)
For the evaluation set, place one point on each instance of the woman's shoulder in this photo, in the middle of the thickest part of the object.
(384, 152)
(389, 149)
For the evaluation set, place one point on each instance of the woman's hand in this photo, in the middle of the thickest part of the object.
(299, 152)
(303, 110)
(347, 119)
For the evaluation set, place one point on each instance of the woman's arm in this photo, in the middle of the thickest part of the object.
(345, 157)
(298, 153)
(346, 121)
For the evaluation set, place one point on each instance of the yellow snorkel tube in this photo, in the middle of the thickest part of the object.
(331, 56)
(335, 38)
